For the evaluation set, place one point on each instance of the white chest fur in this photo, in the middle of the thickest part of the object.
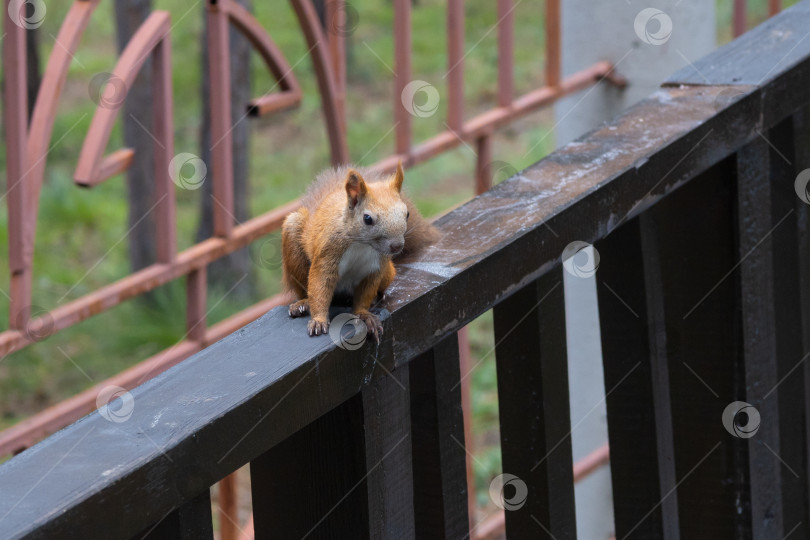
(359, 261)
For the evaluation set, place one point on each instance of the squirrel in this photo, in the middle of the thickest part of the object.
(352, 224)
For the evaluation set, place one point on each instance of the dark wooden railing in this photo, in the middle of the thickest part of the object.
(697, 205)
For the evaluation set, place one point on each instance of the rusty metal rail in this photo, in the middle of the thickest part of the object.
(692, 199)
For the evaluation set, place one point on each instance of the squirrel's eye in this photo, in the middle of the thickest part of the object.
(408, 214)
(367, 219)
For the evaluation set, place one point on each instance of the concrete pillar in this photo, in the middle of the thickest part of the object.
(647, 40)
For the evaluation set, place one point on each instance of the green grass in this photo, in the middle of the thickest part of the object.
(81, 234)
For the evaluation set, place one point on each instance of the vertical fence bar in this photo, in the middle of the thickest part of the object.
(506, 53)
(801, 134)
(772, 347)
(774, 7)
(553, 50)
(336, 28)
(228, 507)
(402, 74)
(389, 484)
(163, 126)
(642, 472)
(439, 460)
(483, 164)
(196, 300)
(465, 368)
(15, 110)
(455, 63)
(739, 18)
(357, 478)
(693, 324)
(221, 121)
(535, 420)
(317, 500)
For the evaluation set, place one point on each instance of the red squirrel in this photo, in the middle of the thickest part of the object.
(343, 240)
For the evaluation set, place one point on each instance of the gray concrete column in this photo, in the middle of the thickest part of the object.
(647, 40)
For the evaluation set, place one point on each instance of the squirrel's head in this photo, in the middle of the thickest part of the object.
(377, 214)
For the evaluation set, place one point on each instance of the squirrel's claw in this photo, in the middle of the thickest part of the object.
(300, 308)
(372, 324)
(316, 327)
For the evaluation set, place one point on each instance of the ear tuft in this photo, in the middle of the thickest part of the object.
(355, 187)
(399, 176)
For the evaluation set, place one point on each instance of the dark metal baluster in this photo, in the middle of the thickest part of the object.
(439, 460)
(192, 521)
(637, 394)
(535, 420)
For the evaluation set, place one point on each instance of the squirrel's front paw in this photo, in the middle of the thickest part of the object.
(300, 308)
(373, 324)
(316, 327)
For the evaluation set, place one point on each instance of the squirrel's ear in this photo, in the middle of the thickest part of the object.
(355, 187)
(399, 176)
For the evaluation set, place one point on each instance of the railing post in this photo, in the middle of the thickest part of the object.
(772, 333)
(642, 460)
(534, 410)
(192, 521)
(346, 475)
(439, 460)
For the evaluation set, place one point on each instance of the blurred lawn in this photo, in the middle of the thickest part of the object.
(81, 234)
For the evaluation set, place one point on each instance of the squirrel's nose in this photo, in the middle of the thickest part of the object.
(396, 247)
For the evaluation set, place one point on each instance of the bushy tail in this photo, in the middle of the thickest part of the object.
(420, 233)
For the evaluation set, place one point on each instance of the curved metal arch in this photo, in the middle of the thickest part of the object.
(327, 82)
(151, 38)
